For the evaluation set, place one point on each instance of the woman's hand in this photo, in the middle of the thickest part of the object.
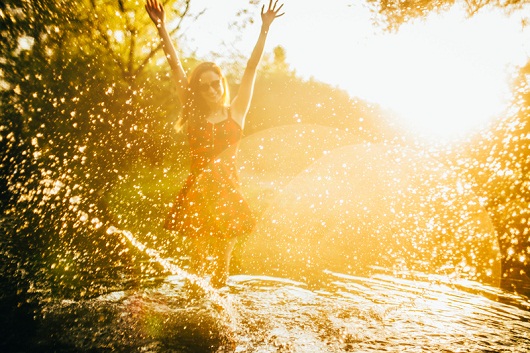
(272, 12)
(156, 12)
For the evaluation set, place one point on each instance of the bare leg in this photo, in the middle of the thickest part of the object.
(223, 253)
(198, 254)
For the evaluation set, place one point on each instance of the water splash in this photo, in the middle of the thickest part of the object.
(330, 202)
(210, 292)
(223, 315)
(345, 314)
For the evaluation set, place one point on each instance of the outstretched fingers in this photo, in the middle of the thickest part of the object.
(155, 10)
(272, 10)
(153, 5)
(275, 8)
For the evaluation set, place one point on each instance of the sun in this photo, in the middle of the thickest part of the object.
(435, 89)
(447, 76)
(443, 77)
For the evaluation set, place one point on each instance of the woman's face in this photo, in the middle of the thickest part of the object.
(211, 87)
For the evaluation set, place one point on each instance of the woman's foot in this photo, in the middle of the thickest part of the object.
(194, 289)
(218, 280)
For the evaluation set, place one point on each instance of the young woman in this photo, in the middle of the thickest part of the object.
(210, 209)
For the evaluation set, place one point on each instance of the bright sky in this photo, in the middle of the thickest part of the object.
(444, 76)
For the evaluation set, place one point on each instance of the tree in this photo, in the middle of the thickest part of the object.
(394, 13)
(81, 100)
(499, 159)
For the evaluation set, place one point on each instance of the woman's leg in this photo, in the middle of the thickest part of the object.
(198, 255)
(222, 248)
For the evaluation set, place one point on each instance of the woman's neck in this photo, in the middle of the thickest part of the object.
(217, 114)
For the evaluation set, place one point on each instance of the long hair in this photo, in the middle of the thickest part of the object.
(195, 109)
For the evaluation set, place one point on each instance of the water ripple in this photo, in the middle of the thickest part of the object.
(267, 314)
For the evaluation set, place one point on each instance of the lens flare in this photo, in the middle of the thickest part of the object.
(361, 206)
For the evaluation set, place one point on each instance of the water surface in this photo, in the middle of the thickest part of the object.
(382, 312)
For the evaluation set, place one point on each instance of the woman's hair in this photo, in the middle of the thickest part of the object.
(195, 109)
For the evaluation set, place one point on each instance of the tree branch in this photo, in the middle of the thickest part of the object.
(106, 40)
(156, 49)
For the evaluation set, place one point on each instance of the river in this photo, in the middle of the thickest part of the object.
(382, 312)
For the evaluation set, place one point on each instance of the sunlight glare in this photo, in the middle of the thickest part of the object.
(443, 77)
(446, 76)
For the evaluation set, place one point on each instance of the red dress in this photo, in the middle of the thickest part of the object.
(210, 202)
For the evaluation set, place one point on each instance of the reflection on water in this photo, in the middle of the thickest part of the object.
(266, 314)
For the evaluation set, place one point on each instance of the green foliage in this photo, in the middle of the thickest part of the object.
(77, 110)
(87, 138)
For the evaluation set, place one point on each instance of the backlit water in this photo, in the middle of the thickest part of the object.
(371, 248)
(367, 240)
(382, 312)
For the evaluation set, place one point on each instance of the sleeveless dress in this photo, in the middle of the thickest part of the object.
(210, 202)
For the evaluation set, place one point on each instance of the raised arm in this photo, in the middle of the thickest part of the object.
(158, 16)
(241, 102)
